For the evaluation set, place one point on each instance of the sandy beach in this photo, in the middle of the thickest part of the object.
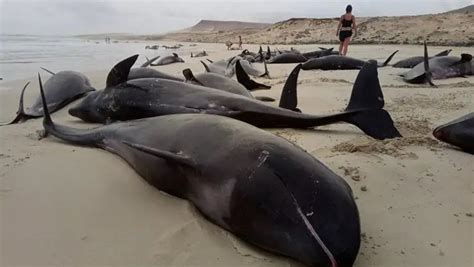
(70, 205)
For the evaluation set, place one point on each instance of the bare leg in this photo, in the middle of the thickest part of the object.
(346, 45)
(340, 48)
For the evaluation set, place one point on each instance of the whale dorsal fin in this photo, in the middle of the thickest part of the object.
(188, 74)
(175, 157)
(289, 95)
(176, 55)
(119, 73)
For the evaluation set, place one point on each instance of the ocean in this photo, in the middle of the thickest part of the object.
(21, 56)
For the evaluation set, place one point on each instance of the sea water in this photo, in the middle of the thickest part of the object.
(21, 56)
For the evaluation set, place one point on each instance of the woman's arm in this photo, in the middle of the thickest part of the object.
(339, 26)
(354, 25)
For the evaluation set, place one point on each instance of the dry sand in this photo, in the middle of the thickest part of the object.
(70, 205)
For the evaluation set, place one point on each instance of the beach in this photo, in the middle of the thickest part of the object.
(63, 204)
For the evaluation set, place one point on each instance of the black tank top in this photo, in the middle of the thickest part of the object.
(346, 23)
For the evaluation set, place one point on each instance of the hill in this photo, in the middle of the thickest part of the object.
(452, 28)
(466, 9)
(215, 25)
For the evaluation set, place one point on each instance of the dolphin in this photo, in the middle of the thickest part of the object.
(127, 100)
(258, 186)
(459, 132)
(61, 89)
(335, 62)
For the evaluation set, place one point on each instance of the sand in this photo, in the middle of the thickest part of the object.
(69, 205)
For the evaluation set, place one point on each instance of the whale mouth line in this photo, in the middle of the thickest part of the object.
(308, 225)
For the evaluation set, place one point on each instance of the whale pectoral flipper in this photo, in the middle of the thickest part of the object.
(428, 75)
(50, 72)
(179, 158)
(149, 61)
(265, 98)
(205, 66)
(389, 59)
(266, 74)
(244, 79)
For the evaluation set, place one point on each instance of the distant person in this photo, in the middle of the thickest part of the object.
(347, 24)
(240, 42)
(228, 44)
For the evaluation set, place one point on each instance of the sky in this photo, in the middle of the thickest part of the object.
(71, 17)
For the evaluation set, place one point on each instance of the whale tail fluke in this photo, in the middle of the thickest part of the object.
(367, 102)
(20, 114)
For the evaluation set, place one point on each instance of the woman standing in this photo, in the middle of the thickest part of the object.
(344, 30)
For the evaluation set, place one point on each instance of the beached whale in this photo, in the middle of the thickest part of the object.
(199, 54)
(413, 61)
(335, 62)
(61, 89)
(127, 100)
(459, 132)
(220, 67)
(440, 68)
(256, 185)
(144, 72)
(287, 58)
(221, 82)
(227, 67)
(249, 67)
(166, 60)
(320, 53)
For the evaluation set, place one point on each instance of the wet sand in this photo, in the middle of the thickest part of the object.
(69, 205)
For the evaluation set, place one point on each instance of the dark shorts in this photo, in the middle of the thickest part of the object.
(344, 34)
